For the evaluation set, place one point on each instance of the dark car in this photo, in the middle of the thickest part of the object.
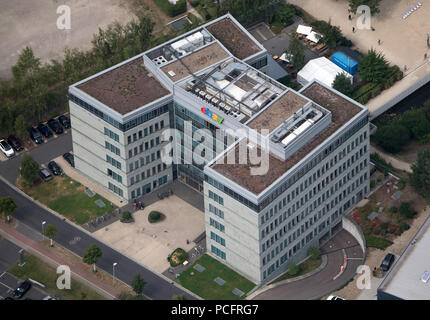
(387, 262)
(15, 143)
(44, 130)
(36, 136)
(22, 289)
(69, 158)
(55, 168)
(65, 122)
(55, 126)
(44, 174)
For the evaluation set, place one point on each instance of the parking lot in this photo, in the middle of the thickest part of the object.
(8, 257)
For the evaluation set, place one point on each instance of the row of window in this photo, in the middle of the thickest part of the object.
(143, 147)
(113, 162)
(147, 187)
(216, 211)
(123, 127)
(141, 162)
(146, 131)
(218, 252)
(216, 197)
(149, 172)
(115, 189)
(114, 175)
(217, 238)
(112, 148)
(217, 225)
(111, 134)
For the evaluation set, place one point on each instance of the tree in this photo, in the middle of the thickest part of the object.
(314, 252)
(51, 232)
(417, 123)
(29, 169)
(20, 127)
(420, 176)
(297, 50)
(392, 137)
(27, 65)
(285, 14)
(7, 207)
(293, 269)
(343, 84)
(372, 4)
(373, 67)
(92, 255)
(179, 297)
(138, 284)
(331, 35)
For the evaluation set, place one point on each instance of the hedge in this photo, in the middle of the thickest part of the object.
(172, 10)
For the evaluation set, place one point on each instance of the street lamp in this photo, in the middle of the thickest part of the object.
(113, 270)
(43, 229)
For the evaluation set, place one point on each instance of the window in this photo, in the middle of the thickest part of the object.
(216, 211)
(218, 252)
(111, 134)
(217, 225)
(113, 162)
(218, 239)
(216, 197)
(112, 148)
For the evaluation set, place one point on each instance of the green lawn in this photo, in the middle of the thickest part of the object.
(68, 198)
(203, 284)
(38, 270)
(376, 242)
(305, 267)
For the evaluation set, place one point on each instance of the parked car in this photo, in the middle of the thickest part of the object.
(44, 174)
(44, 130)
(15, 143)
(335, 298)
(69, 158)
(49, 298)
(55, 126)
(65, 122)
(22, 289)
(55, 168)
(387, 262)
(6, 148)
(36, 136)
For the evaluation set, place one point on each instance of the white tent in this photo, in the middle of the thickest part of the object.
(303, 29)
(321, 69)
(314, 37)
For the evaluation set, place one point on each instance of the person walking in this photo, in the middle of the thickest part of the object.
(379, 41)
(353, 29)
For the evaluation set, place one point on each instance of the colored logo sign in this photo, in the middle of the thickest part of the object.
(212, 115)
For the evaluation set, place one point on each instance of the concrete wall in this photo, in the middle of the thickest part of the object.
(349, 225)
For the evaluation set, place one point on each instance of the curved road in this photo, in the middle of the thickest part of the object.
(322, 283)
(32, 215)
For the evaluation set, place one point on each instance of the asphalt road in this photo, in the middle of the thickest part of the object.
(71, 237)
(322, 283)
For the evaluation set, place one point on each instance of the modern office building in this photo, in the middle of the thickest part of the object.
(409, 277)
(203, 98)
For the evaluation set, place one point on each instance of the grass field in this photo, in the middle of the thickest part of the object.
(68, 198)
(305, 267)
(38, 270)
(203, 284)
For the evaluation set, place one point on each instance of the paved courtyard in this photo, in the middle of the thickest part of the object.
(150, 244)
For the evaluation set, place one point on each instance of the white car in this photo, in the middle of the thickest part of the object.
(6, 148)
(335, 298)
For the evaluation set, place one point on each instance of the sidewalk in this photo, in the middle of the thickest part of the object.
(396, 163)
(36, 249)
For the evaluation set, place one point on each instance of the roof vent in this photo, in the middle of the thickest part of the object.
(171, 73)
(425, 277)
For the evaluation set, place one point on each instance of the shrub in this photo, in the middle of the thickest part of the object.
(393, 210)
(372, 184)
(177, 257)
(384, 225)
(406, 210)
(127, 217)
(392, 137)
(404, 226)
(380, 178)
(314, 252)
(293, 269)
(155, 216)
(377, 231)
(401, 184)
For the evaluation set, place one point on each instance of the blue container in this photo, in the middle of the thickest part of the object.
(345, 62)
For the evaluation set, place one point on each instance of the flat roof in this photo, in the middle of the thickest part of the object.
(233, 38)
(404, 280)
(342, 111)
(195, 61)
(126, 87)
(282, 109)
